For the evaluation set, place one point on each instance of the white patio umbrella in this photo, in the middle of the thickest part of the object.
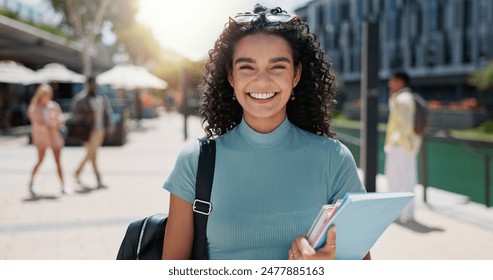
(55, 72)
(150, 80)
(14, 73)
(128, 76)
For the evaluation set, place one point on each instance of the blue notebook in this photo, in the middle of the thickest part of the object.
(361, 219)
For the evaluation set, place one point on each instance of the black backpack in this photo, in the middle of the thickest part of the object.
(144, 238)
(420, 114)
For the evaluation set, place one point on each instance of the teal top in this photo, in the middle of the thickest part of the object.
(268, 188)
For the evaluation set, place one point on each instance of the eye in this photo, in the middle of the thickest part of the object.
(279, 66)
(246, 67)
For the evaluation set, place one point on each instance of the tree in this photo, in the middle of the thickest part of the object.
(140, 43)
(84, 18)
(483, 78)
(171, 66)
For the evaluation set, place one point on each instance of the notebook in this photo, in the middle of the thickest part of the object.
(360, 219)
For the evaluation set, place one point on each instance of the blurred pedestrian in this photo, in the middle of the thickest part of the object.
(6, 99)
(169, 102)
(402, 143)
(267, 100)
(46, 120)
(88, 106)
(138, 106)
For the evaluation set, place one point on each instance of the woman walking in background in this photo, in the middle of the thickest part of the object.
(46, 118)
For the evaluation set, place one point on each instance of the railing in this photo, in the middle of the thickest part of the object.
(349, 139)
(479, 147)
(476, 147)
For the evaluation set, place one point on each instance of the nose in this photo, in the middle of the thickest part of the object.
(262, 77)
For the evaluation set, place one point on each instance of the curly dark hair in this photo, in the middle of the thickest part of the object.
(315, 93)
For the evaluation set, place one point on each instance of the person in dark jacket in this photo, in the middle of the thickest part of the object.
(90, 107)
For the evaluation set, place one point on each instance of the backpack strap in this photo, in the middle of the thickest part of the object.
(202, 206)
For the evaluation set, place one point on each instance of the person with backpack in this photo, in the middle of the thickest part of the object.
(402, 141)
(267, 101)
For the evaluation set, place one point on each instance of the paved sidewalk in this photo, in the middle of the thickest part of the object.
(448, 227)
(91, 223)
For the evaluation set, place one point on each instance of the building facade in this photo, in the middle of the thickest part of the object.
(437, 42)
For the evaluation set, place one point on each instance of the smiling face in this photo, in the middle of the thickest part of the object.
(263, 76)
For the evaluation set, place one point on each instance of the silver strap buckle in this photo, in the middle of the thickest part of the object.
(202, 204)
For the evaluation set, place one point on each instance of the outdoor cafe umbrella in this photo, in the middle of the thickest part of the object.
(55, 72)
(128, 76)
(12, 72)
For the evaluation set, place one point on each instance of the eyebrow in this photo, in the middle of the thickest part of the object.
(279, 59)
(272, 60)
(244, 59)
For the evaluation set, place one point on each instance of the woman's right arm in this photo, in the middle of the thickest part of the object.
(178, 238)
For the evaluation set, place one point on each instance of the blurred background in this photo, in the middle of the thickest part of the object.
(445, 46)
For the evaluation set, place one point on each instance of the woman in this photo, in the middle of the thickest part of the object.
(267, 99)
(46, 118)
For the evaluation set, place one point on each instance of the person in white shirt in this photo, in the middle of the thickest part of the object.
(401, 141)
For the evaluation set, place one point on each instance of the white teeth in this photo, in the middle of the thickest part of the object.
(262, 95)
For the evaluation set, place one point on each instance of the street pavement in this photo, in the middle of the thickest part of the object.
(90, 224)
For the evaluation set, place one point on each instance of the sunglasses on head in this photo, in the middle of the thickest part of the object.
(274, 15)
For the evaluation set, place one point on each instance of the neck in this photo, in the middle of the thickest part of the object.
(264, 125)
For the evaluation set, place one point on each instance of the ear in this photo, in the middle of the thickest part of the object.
(230, 77)
(297, 74)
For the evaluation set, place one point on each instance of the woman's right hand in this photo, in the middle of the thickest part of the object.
(302, 250)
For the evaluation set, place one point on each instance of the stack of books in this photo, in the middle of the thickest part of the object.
(360, 220)
(323, 218)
